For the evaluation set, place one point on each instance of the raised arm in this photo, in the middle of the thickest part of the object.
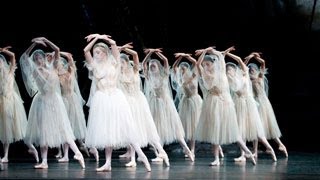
(235, 57)
(114, 48)
(135, 57)
(71, 67)
(248, 58)
(191, 59)
(202, 53)
(12, 57)
(55, 48)
(87, 49)
(149, 52)
(261, 61)
(176, 62)
(164, 59)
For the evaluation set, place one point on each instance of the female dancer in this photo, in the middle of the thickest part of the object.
(186, 78)
(218, 122)
(73, 101)
(260, 89)
(13, 119)
(249, 122)
(130, 85)
(162, 107)
(48, 122)
(110, 123)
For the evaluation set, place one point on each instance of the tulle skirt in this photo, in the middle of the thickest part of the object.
(218, 121)
(268, 118)
(189, 112)
(110, 122)
(142, 117)
(48, 122)
(166, 119)
(76, 115)
(249, 122)
(13, 119)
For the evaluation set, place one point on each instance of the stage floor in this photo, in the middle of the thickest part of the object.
(297, 166)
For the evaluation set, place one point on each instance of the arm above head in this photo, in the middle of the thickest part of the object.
(53, 46)
(177, 61)
(235, 57)
(114, 48)
(149, 52)
(86, 50)
(202, 53)
(164, 59)
(134, 55)
(12, 57)
(69, 57)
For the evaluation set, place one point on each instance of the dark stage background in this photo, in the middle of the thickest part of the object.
(284, 31)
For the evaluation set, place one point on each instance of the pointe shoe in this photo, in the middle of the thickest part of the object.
(157, 159)
(145, 162)
(284, 150)
(165, 158)
(79, 157)
(273, 155)
(41, 166)
(95, 154)
(191, 156)
(253, 160)
(125, 155)
(63, 160)
(240, 159)
(58, 156)
(4, 160)
(104, 168)
(255, 155)
(131, 164)
(85, 150)
(215, 163)
(34, 153)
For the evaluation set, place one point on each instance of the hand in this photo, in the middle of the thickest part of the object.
(91, 36)
(232, 48)
(40, 42)
(256, 54)
(157, 50)
(5, 48)
(199, 52)
(128, 45)
(176, 55)
(39, 39)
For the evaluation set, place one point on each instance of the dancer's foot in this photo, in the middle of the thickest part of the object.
(41, 166)
(105, 167)
(79, 157)
(215, 163)
(145, 162)
(191, 156)
(284, 150)
(240, 159)
(34, 153)
(252, 159)
(221, 153)
(165, 157)
(63, 160)
(157, 159)
(125, 155)
(274, 158)
(131, 164)
(4, 160)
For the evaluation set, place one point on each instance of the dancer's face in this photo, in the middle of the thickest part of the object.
(39, 60)
(207, 66)
(253, 72)
(184, 69)
(99, 54)
(124, 63)
(154, 67)
(231, 71)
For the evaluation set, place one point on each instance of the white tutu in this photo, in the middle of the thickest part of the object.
(249, 122)
(13, 119)
(218, 121)
(110, 121)
(48, 122)
(76, 115)
(189, 112)
(166, 118)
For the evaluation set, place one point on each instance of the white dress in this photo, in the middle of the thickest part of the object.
(13, 119)
(74, 103)
(267, 116)
(147, 131)
(190, 103)
(48, 122)
(164, 112)
(110, 122)
(218, 121)
(249, 122)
